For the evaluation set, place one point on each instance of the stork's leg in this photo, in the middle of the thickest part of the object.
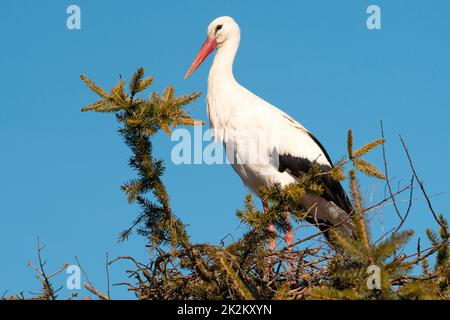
(288, 234)
(272, 243)
(288, 237)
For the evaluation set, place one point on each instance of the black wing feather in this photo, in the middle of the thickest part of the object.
(333, 190)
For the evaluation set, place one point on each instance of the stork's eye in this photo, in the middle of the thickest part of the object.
(219, 27)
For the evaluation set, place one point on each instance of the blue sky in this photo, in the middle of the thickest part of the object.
(61, 170)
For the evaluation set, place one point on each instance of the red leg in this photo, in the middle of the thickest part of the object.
(272, 243)
(288, 234)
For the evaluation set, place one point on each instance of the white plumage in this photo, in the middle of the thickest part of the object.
(232, 108)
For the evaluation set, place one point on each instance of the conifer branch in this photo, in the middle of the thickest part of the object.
(245, 268)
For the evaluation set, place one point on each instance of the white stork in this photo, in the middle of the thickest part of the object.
(233, 108)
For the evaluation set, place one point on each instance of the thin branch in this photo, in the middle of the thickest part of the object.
(99, 294)
(107, 275)
(386, 174)
(409, 205)
(47, 286)
(421, 184)
(89, 285)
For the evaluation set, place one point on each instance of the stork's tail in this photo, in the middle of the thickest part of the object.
(326, 215)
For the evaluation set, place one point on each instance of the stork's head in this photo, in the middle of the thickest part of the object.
(221, 31)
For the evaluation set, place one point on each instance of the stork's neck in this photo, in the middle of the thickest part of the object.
(222, 88)
(221, 73)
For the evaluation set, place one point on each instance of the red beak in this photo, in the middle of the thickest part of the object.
(207, 47)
